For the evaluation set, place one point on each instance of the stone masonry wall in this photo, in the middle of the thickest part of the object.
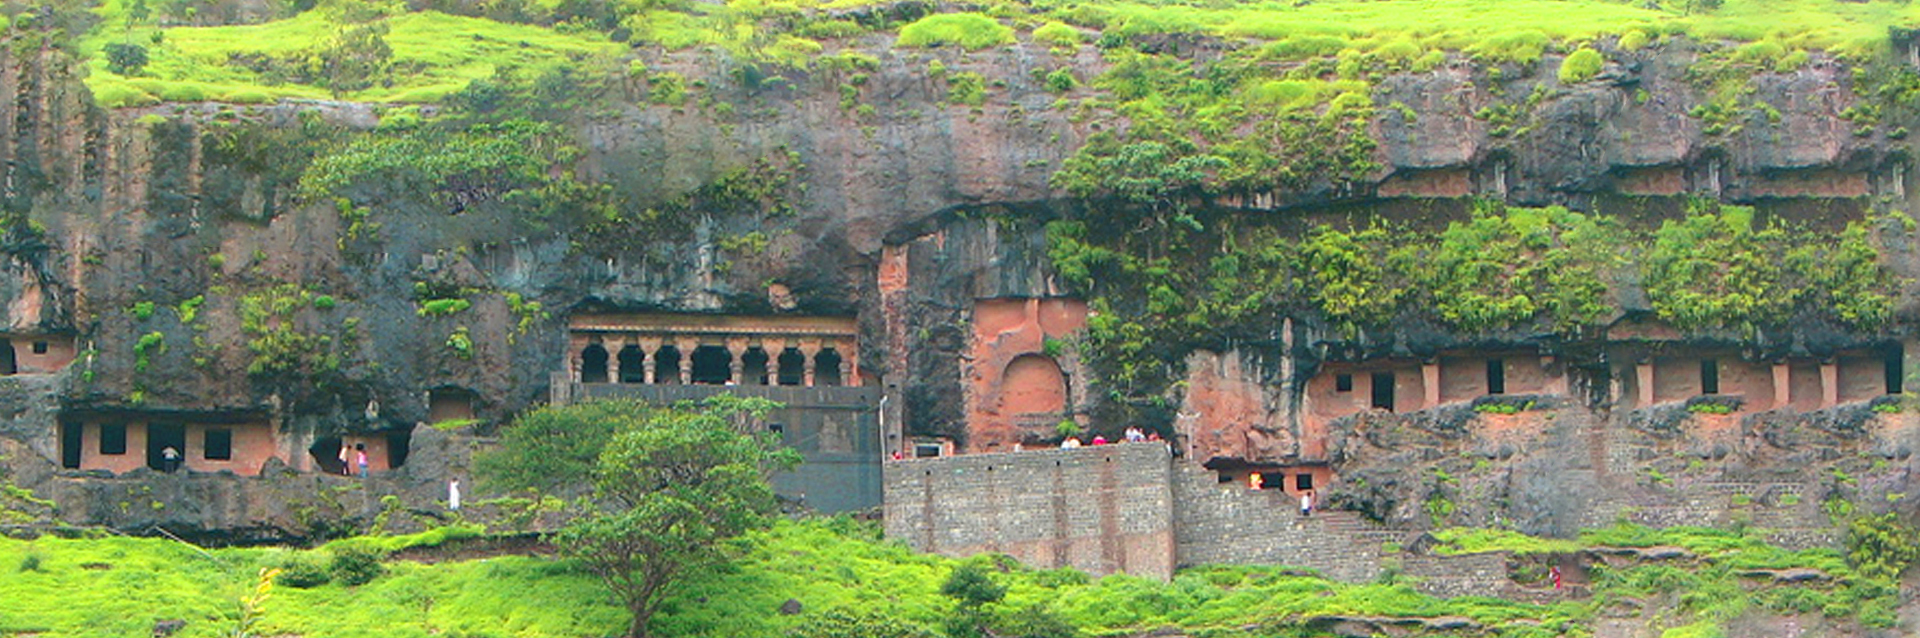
(1230, 524)
(1101, 509)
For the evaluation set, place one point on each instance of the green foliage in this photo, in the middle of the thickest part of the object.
(1471, 540)
(148, 345)
(966, 88)
(970, 31)
(443, 307)
(460, 341)
(354, 565)
(667, 88)
(842, 623)
(970, 586)
(1346, 278)
(670, 493)
(304, 572)
(126, 58)
(476, 164)
(1058, 34)
(275, 321)
(1882, 546)
(1581, 66)
(141, 310)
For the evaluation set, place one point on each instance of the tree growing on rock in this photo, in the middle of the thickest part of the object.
(671, 486)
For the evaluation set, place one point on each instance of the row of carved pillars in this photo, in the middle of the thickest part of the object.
(821, 361)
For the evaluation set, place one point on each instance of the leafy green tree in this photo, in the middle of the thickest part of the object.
(671, 486)
(126, 59)
(841, 623)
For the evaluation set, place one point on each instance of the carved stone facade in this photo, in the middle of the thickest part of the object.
(810, 365)
(1020, 377)
(35, 353)
(679, 349)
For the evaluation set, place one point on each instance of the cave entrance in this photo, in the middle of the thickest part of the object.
(7, 365)
(72, 444)
(712, 365)
(633, 365)
(1383, 391)
(593, 364)
(161, 436)
(826, 368)
(793, 367)
(666, 365)
(1892, 371)
(399, 445)
(753, 366)
(326, 455)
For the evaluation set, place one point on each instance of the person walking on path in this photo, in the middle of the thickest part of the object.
(1306, 503)
(453, 495)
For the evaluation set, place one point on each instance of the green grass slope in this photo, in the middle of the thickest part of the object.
(435, 54)
(120, 586)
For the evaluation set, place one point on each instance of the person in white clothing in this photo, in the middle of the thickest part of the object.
(453, 495)
(1070, 443)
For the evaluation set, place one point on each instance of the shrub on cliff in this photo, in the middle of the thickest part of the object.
(971, 31)
(1581, 66)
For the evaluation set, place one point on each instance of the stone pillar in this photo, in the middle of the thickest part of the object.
(1829, 384)
(850, 363)
(687, 345)
(648, 346)
(576, 344)
(809, 348)
(1782, 384)
(1430, 376)
(614, 344)
(737, 346)
(1557, 382)
(774, 348)
(1643, 372)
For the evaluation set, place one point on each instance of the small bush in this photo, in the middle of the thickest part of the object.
(971, 31)
(1581, 66)
(354, 566)
(970, 585)
(1058, 34)
(304, 572)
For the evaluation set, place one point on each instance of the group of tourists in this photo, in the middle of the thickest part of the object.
(1133, 434)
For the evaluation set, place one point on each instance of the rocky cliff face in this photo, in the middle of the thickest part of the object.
(176, 246)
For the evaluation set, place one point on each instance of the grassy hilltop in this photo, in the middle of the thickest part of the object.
(434, 54)
(121, 586)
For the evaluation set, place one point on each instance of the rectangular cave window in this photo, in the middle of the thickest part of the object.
(1709, 376)
(113, 439)
(219, 445)
(1343, 383)
(1383, 391)
(777, 428)
(1496, 376)
(926, 450)
(1302, 482)
(39, 347)
(1894, 367)
(72, 443)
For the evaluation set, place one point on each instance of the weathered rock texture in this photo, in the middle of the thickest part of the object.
(908, 219)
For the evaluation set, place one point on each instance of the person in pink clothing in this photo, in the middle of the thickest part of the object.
(360, 458)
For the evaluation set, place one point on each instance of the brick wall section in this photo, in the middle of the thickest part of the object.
(1102, 509)
(1230, 524)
